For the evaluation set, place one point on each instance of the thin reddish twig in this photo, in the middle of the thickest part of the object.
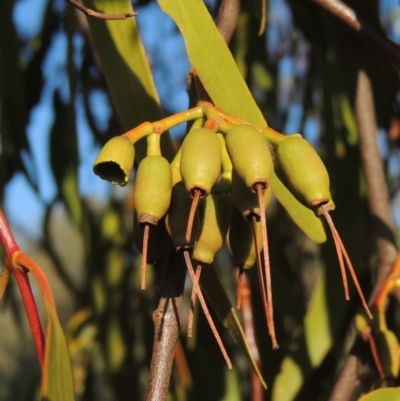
(95, 14)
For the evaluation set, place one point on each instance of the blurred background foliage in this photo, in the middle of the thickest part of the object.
(56, 113)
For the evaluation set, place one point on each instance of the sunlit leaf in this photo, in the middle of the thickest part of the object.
(383, 394)
(212, 59)
(216, 295)
(126, 69)
(57, 384)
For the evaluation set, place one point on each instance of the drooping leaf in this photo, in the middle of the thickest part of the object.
(383, 394)
(57, 381)
(214, 291)
(57, 384)
(126, 69)
(212, 59)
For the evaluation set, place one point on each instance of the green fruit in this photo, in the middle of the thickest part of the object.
(159, 240)
(304, 172)
(241, 240)
(177, 218)
(215, 215)
(245, 200)
(388, 351)
(200, 164)
(250, 155)
(115, 161)
(152, 190)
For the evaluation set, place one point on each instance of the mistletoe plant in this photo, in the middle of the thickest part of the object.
(218, 182)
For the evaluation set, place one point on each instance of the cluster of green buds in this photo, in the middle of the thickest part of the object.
(217, 187)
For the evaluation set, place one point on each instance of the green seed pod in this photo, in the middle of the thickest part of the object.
(250, 155)
(152, 190)
(200, 164)
(245, 200)
(115, 161)
(215, 215)
(241, 240)
(177, 218)
(159, 240)
(304, 172)
(388, 350)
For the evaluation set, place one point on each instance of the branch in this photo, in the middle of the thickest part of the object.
(382, 228)
(227, 18)
(91, 13)
(167, 325)
(349, 17)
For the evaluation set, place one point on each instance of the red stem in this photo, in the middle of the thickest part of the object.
(10, 247)
(7, 239)
(31, 312)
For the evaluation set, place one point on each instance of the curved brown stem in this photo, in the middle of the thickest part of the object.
(91, 13)
(347, 15)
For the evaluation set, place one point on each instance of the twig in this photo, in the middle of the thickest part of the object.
(227, 18)
(349, 17)
(91, 13)
(382, 228)
(167, 324)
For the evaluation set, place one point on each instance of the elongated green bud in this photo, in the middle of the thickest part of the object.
(304, 172)
(245, 200)
(177, 218)
(215, 215)
(241, 240)
(250, 155)
(115, 161)
(159, 240)
(200, 164)
(388, 351)
(152, 190)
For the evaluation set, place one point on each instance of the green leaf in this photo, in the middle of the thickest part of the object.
(57, 383)
(57, 380)
(221, 78)
(126, 69)
(310, 349)
(383, 394)
(212, 59)
(214, 291)
(304, 217)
